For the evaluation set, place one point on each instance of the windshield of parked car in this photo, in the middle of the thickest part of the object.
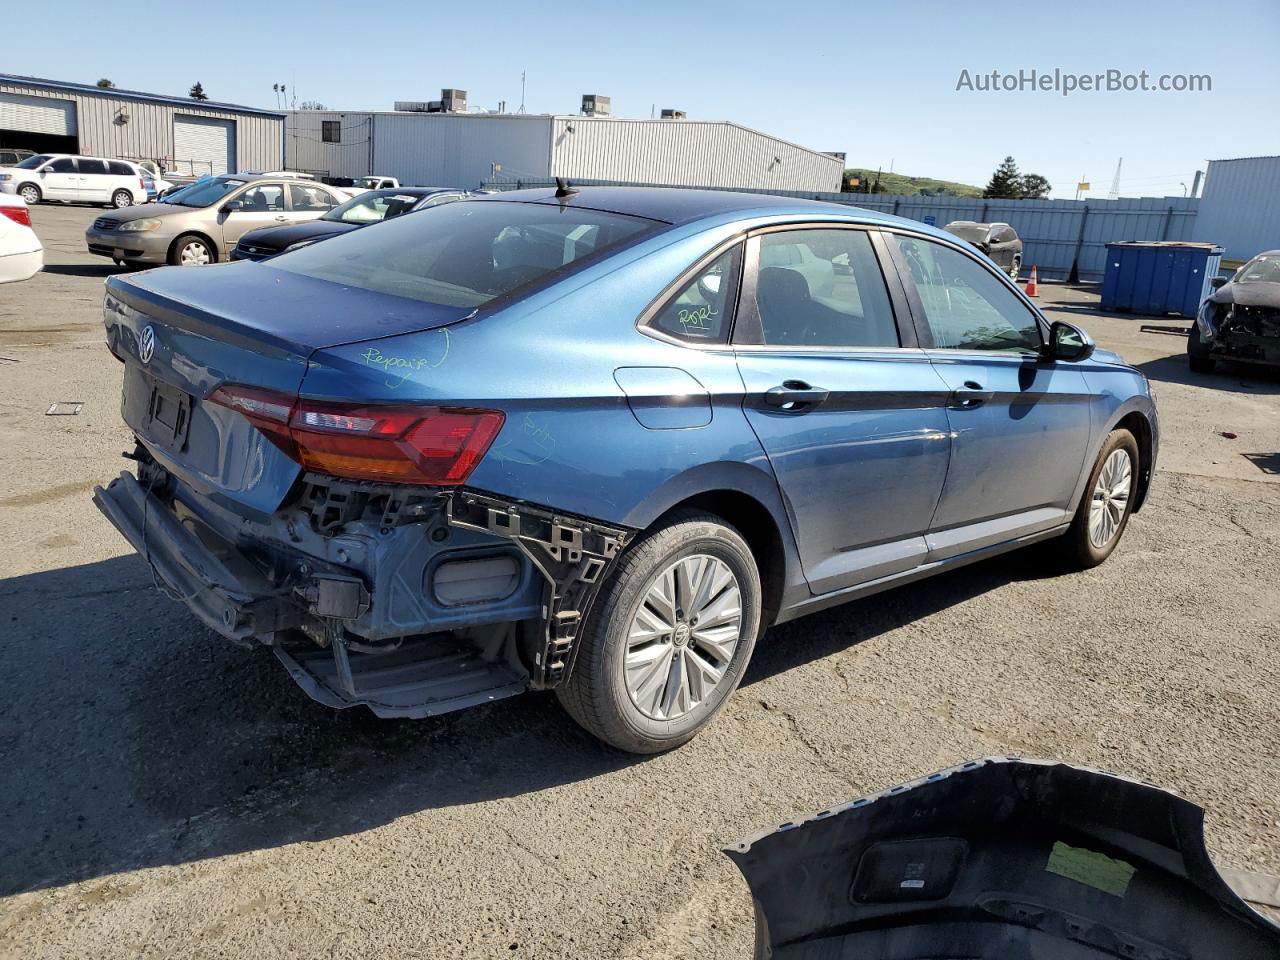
(39, 160)
(1264, 268)
(973, 232)
(372, 207)
(205, 192)
(466, 254)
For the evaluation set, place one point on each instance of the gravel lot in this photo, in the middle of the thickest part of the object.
(168, 795)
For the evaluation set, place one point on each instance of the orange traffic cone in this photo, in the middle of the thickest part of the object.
(1031, 284)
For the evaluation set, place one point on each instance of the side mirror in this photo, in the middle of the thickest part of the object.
(1068, 342)
(1218, 282)
(231, 206)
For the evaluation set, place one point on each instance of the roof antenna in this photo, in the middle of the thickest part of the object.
(563, 189)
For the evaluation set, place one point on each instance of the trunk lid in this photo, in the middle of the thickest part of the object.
(184, 332)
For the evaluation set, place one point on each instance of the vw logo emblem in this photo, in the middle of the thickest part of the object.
(147, 343)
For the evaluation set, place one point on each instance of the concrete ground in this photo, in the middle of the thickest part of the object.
(168, 795)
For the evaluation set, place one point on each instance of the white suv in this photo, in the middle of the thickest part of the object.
(74, 179)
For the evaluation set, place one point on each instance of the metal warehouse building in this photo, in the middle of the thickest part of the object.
(193, 136)
(1240, 207)
(464, 149)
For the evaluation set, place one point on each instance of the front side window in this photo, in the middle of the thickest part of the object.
(700, 311)
(305, 197)
(63, 165)
(330, 131)
(264, 198)
(466, 254)
(966, 306)
(820, 288)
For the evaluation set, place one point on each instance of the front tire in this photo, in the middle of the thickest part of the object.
(30, 193)
(1104, 509)
(191, 251)
(1198, 357)
(668, 638)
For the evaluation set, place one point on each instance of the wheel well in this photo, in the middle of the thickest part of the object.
(173, 247)
(756, 524)
(1140, 427)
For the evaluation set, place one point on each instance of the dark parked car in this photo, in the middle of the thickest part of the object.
(999, 241)
(1240, 320)
(597, 441)
(373, 206)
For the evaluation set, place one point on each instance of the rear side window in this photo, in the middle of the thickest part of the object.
(701, 310)
(466, 254)
(820, 288)
(117, 168)
(63, 165)
(93, 166)
(309, 198)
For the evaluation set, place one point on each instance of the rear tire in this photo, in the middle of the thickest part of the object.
(121, 199)
(1104, 509)
(30, 193)
(190, 250)
(1198, 358)
(648, 675)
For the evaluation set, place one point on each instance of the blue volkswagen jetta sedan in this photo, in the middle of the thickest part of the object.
(597, 441)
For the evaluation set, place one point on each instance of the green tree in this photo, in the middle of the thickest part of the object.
(197, 91)
(1005, 183)
(105, 84)
(1035, 187)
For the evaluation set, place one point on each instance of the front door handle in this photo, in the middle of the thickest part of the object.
(795, 395)
(971, 395)
(280, 219)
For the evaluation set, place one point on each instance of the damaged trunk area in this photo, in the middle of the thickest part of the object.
(412, 601)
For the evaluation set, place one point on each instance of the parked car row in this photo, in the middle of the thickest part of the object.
(594, 440)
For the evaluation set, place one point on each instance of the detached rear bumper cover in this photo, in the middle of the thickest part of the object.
(1001, 857)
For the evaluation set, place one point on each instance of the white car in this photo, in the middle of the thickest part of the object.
(75, 179)
(21, 254)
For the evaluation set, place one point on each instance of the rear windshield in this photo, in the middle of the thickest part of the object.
(465, 254)
(973, 232)
(372, 207)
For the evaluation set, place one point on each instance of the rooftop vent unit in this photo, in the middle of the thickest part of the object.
(453, 101)
(415, 106)
(595, 105)
(838, 154)
(669, 114)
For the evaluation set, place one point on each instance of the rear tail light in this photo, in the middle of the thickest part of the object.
(18, 214)
(428, 445)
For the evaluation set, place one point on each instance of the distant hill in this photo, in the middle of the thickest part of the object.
(899, 183)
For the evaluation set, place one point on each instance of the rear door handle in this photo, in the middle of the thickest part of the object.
(969, 396)
(795, 395)
(280, 219)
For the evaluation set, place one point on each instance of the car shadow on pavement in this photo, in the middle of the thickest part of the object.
(1227, 375)
(132, 737)
(86, 269)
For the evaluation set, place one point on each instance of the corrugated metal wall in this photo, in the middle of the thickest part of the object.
(148, 133)
(1241, 206)
(306, 150)
(458, 150)
(1051, 230)
(683, 152)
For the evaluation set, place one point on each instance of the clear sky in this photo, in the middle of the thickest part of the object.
(872, 78)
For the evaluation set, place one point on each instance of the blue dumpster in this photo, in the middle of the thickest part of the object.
(1159, 277)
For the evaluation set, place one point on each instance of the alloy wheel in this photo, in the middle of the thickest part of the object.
(683, 637)
(31, 195)
(1110, 498)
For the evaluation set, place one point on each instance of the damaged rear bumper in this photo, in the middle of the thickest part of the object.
(323, 622)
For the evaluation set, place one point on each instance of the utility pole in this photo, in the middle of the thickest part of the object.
(1195, 184)
(522, 78)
